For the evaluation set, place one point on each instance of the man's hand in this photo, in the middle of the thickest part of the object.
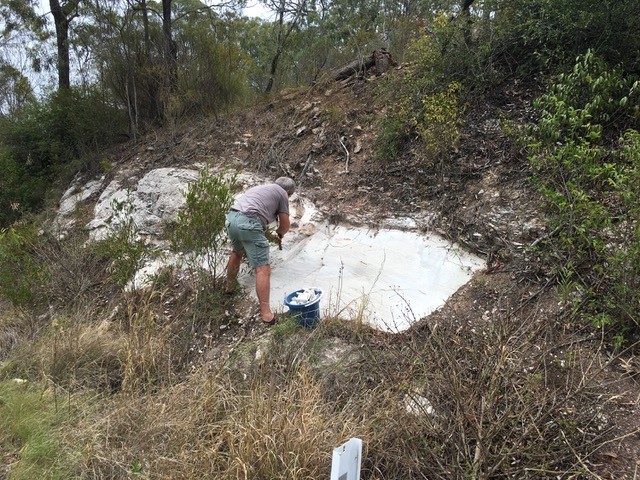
(273, 236)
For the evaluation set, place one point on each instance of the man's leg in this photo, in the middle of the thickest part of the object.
(263, 286)
(233, 267)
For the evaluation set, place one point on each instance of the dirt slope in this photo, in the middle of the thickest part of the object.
(480, 197)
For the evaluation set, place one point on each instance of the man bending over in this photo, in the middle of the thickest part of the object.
(246, 226)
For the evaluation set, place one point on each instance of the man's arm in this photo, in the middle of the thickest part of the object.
(283, 224)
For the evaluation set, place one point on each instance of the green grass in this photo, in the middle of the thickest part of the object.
(29, 420)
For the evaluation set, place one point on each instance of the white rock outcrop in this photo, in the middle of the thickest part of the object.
(153, 201)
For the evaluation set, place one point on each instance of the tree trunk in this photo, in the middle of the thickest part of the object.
(151, 81)
(145, 26)
(297, 9)
(62, 16)
(354, 68)
(272, 73)
(170, 48)
(276, 57)
(466, 17)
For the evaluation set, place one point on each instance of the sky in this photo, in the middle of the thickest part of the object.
(256, 9)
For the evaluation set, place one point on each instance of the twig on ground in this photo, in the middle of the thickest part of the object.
(305, 168)
(544, 237)
(346, 164)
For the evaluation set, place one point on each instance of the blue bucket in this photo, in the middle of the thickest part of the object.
(306, 314)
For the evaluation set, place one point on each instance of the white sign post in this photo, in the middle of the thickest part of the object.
(346, 460)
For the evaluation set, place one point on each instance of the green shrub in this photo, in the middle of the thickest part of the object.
(20, 274)
(588, 170)
(531, 36)
(200, 228)
(424, 101)
(392, 135)
(20, 190)
(438, 120)
(124, 247)
(46, 143)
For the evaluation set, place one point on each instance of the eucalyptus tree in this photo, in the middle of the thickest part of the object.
(15, 91)
(164, 59)
(290, 16)
(170, 50)
(63, 14)
(212, 65)
(21, 29)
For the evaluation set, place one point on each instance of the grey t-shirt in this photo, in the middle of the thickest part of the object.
(264, 202)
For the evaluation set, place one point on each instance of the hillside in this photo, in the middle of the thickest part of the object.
(518, 391)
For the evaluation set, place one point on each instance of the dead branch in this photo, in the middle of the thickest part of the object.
(305, 168)
(346, 165)
(380, 59)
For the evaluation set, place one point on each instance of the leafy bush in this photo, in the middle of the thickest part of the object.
(421, 107)
(44, 145)
(200, 228)
(392, 135)
(533, 35)
(20, 190)
(20, 273)
(123, 246)
(588, 171)
(438, 120)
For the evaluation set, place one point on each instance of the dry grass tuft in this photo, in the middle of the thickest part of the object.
(269, 428)
(14, 326)
(147, 352)
(496, 400)
(71, 353)
(280, 432)
(493, 398)
(75, 272)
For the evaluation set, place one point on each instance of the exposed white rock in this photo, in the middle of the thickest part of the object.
(143, 278)
(400, 223)
(387, 278)
(418, 405)
(154, 200)
(390, 277)
(70, 200)
(76, 194)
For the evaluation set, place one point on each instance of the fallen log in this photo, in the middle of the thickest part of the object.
(380, 59)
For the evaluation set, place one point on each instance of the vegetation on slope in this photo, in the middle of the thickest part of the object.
(510, 380)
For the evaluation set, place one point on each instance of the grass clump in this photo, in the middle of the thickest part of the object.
(275, 427)
(147, 348)
(30, 421)
(71, 353)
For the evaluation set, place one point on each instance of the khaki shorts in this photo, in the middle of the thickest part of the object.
(247, 235)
